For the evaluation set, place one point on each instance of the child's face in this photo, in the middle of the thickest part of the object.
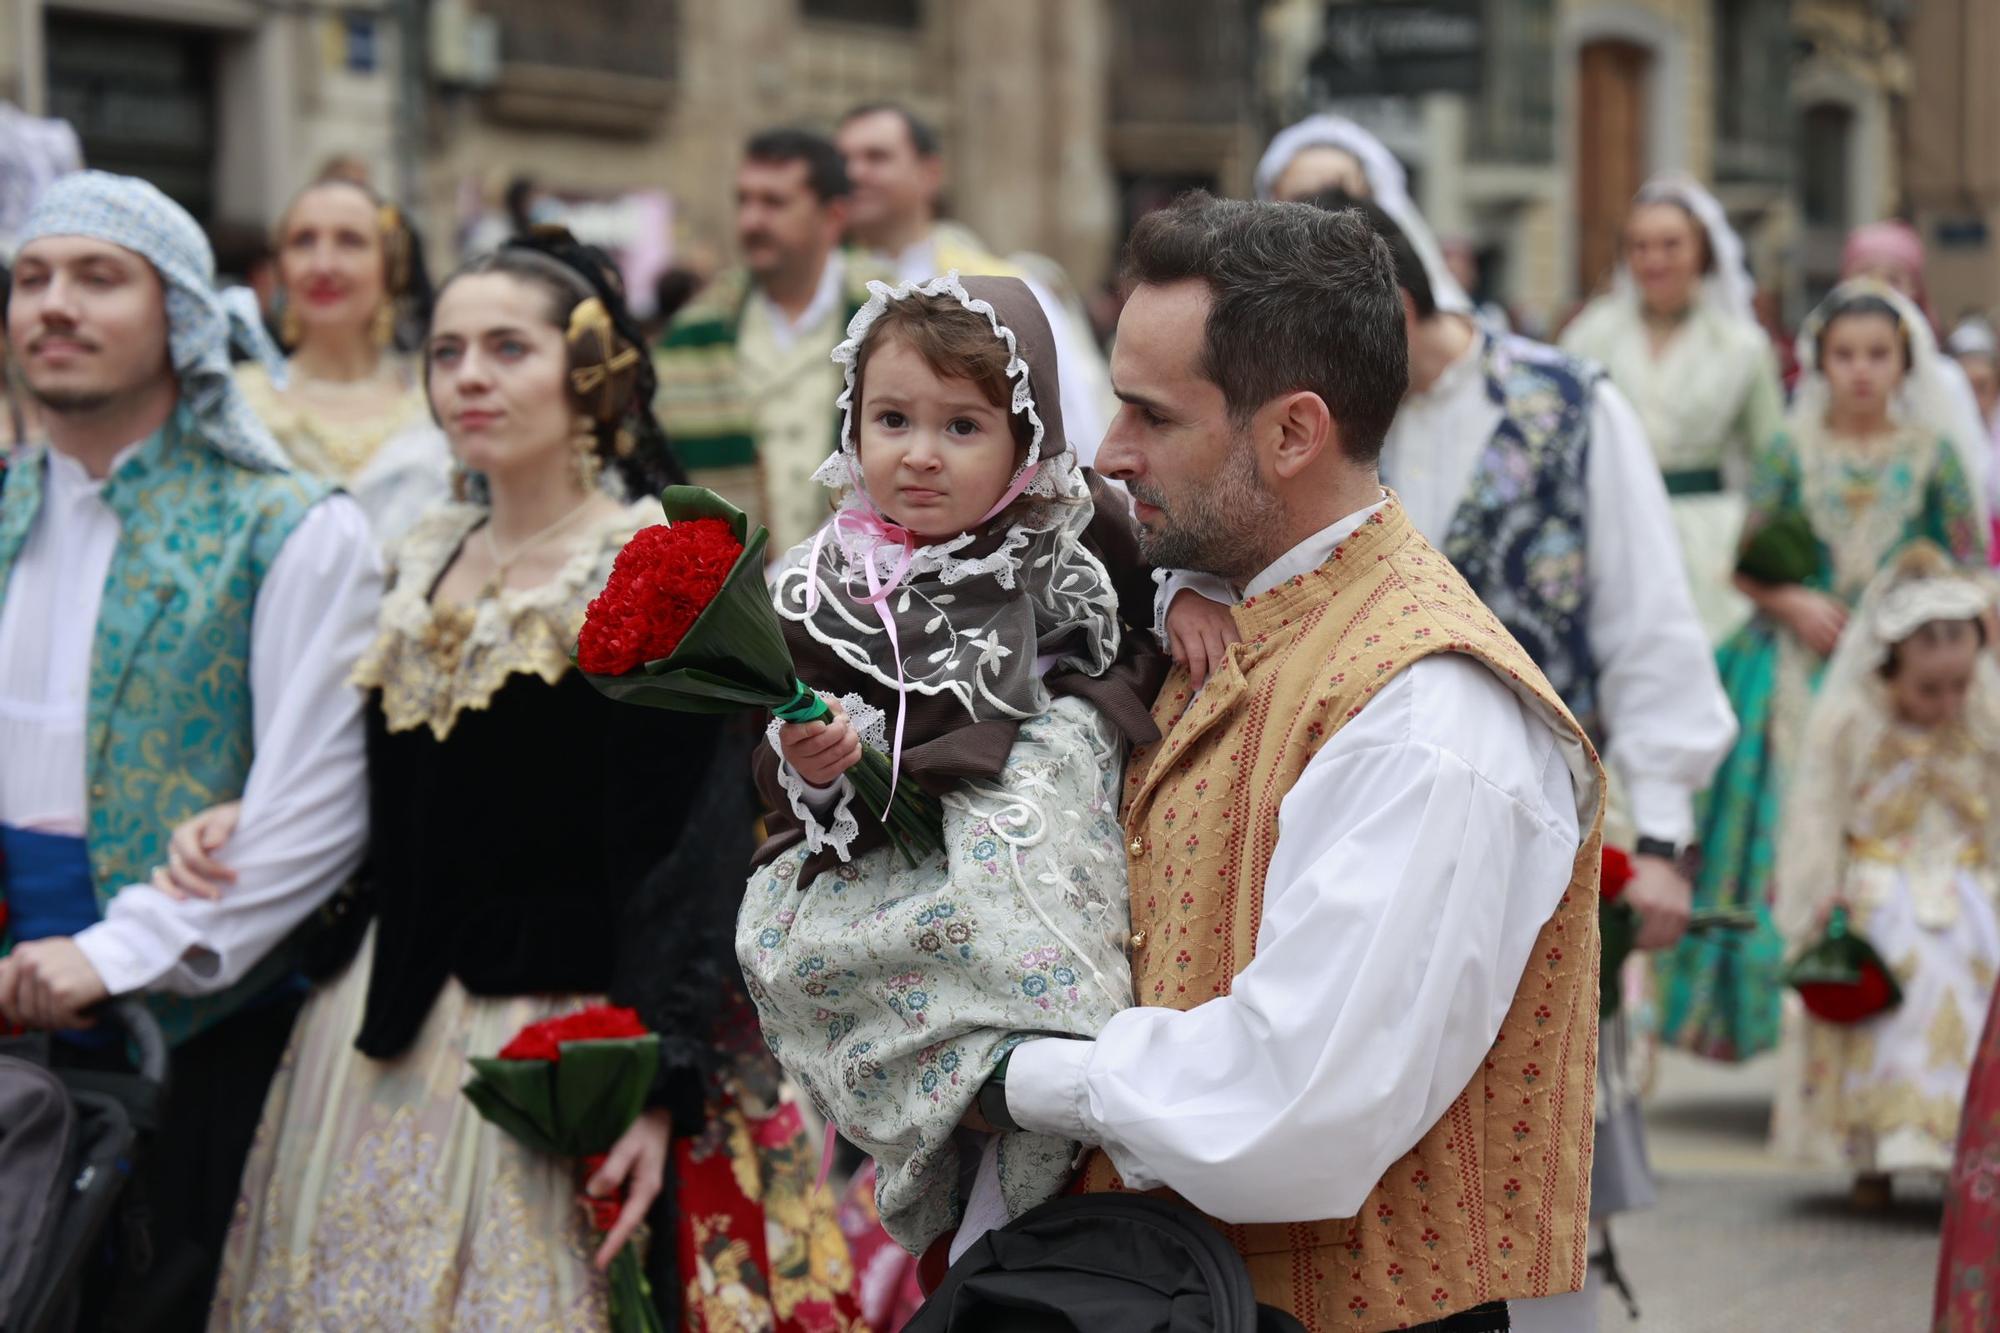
(935, 454)
(1863, 357)
(1933, 678)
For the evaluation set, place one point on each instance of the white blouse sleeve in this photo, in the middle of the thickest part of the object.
(304, 823)
(1668, 721)
(1418, 857)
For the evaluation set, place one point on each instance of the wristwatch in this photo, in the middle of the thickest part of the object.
(1687, 859)
(993, 1097)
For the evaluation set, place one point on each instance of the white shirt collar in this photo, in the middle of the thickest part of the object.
(786, 331)
(68, 476)
(1311, 553)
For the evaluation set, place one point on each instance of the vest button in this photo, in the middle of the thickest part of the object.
(1137, 847)
(1138, 939)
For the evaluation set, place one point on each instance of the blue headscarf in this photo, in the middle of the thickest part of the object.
(201, 322)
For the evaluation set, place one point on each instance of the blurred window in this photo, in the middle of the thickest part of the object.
(883, 13)
(1753, 110)
(1516, 116)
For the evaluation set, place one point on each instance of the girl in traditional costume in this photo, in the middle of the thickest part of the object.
(963, 607)
(1678, 333)
(1894, 816)
(1861, 470)
(351, 405)
(536, 847)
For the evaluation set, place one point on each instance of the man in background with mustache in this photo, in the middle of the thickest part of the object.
(179, 614)
(747, 383)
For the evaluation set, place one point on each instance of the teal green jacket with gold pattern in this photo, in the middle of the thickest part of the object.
(168, 728)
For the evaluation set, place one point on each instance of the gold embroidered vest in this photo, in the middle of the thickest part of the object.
(1493, 1202)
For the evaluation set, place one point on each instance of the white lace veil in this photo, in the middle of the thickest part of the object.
(1851, 714)
(1388, 183)
(981, 618)
(1727, 286)
(1927, 398)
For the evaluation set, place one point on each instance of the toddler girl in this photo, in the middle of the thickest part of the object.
(962, 610)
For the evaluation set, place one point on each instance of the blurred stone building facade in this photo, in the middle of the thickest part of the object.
(1062, 120)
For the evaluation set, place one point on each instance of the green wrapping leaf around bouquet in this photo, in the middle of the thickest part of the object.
(1782, 551)
(1841, 978)
(686, 623)
(571, 1087)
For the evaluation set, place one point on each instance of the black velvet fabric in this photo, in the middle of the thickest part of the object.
(560, 842)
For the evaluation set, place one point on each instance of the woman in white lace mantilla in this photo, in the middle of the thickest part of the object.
(966, 606)
(1678, 334)
(1895, 815)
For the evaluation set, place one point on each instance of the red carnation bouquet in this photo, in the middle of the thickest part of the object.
(686, 623)
(1841, 978)
(1618, 927)
(572, 1086)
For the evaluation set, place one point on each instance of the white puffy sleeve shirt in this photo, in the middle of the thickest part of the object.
(1419, 856)
(304, 823)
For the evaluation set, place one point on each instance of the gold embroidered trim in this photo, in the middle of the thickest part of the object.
(337, 451)
(433, 663)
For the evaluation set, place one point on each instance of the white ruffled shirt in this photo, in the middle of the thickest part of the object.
(304, 822)
(1419, 855)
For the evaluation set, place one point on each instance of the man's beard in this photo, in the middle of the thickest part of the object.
(1222, 528)
(73, 402)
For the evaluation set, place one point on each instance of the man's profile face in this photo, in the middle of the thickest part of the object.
(88, 323)
(893, 184)
(1315, 170)
(781, 224)
(1193, 472)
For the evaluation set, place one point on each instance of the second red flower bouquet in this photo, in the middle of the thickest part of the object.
(1618, 927)
(686, 623)
(571, 1086)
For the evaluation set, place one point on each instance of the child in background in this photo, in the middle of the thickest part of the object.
(1895, 817)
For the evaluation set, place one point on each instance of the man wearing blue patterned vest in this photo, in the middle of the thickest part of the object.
(179, 612)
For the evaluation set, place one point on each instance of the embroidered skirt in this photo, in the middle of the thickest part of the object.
(1885, 1095)
(375, 1197)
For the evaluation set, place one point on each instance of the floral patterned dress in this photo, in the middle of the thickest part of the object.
(1968, 1285)
(1919, 873)
(1863, 502)
(889, 992)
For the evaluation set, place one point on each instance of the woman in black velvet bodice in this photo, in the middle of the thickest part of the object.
(535, 848)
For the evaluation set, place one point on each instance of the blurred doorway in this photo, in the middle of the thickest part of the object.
(1612, 134)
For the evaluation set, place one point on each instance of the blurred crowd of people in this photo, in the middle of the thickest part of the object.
(1755, 571)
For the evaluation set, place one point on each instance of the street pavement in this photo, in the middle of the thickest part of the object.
(1741, 1240)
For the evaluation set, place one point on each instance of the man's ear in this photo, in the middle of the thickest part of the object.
(1297, 430)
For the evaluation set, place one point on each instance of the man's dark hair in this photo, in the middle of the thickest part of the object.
(1301, 299)
(1411, 275)
(826, 169)
(922, 137)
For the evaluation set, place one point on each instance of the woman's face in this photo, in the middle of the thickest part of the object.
(331, 262)
(1664, 250)
(936, 456)
(499, 374)
(1862, 358)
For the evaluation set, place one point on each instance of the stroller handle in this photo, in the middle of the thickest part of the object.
(130, 1013)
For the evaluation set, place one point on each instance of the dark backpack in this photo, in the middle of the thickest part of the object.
(1100, 1263)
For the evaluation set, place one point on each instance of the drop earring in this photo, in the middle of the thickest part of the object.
(583, 454)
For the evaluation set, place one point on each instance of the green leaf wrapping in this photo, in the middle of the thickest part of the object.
(1782, 551)
(600, 1089)
(517, 1095)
